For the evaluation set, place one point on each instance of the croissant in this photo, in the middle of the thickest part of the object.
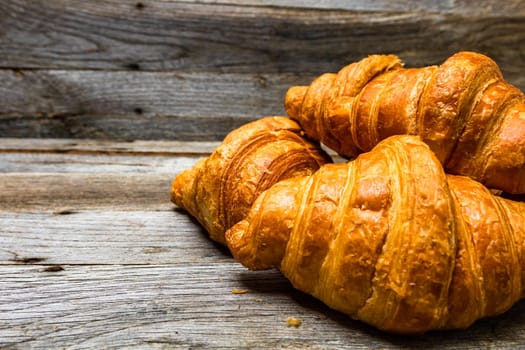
(219, 190)
(389, 239)
(463, 109)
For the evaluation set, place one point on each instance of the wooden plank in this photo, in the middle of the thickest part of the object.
(120, 127)
(108, 147)
(193, 306)
(135, 105)
(106, 237)
(98, 258)
(255, 36)
(37, 162)
(62, 93)
(71, 192)
(425, 6)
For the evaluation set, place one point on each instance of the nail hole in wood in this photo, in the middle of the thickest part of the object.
(138, 111)
(133, 66)
(54, 268)
(139, 6)
(63, 212)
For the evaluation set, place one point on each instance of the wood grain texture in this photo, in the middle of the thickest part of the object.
(99, 258)
(108, 237)
(135, 105)
(44, 162)
(193, 70)
(192, 306)
(253, 36)
(108, 147)
(15, 162)
(508, 8)
(105, 93)
(84, 191)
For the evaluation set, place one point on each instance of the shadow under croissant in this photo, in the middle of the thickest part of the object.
(203, 234)
(478, 336)
(274, 284)
(277, 287)
(406, 267)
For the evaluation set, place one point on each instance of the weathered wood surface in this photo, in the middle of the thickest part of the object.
(192, 306)
(192, 70)
(93, 255)
(55, 147)
(135, 105)
(252, 36)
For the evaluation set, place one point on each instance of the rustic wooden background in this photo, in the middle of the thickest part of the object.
(162, 69)
(103, 102)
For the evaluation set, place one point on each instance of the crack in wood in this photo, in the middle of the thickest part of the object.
(28, 260)
(64, 212)
(53, 268)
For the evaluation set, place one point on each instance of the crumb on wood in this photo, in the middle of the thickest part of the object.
(155, 250)
(294, 322)
(239, 291)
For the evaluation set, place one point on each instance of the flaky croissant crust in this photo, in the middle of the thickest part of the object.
(220, 189)
(391, 240)
(472, 119)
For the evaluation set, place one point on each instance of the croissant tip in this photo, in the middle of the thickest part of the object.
(178, 186)
(236, 241)
(294, 100)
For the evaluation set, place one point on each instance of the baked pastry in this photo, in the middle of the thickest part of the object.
(219, 190)
(463, 109)
(390, 239)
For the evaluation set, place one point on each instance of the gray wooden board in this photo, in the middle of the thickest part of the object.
(253, 36)
(191, 95)
(192, 306)
(102, 259)
(92, 163)
(73, 191)
(105, 237)
(193, 70)
(507, 8)
(89, 146)
(85, 291)
(136, 105)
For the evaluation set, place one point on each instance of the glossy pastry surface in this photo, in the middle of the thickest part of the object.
(391, 240)
(472, 119)
(219, 190)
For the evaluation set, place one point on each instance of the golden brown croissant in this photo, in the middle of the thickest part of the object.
(391, 240)
(472, 119)
(219, 190)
